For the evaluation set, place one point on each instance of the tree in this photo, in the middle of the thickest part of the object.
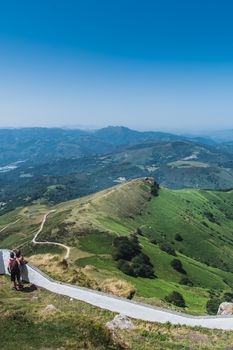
(178, 237)
(176, 298)
(228, 297)
(125, 267)
(167, 248)
(154, 189)
(186, 281)
(142, 266)
(125, 248)
(177, 265)
(212, 305)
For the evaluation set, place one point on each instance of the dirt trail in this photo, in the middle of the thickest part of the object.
(11, 223)
(34, 240)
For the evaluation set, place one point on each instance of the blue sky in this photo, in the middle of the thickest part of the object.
(149, 64)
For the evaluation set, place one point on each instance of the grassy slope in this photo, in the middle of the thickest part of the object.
(77, 325)
(202, 218)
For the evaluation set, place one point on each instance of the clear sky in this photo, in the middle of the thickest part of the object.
(148, 64)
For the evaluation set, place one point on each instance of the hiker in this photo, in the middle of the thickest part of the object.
(21, 263)
(13, 269)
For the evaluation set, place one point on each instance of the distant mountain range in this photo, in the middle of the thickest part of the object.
(53, 165)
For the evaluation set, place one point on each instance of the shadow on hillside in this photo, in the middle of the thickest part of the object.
(28, 289)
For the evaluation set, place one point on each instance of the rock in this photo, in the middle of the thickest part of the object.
(34, 298)
(225, 309)
(50, 308)
(120, 322)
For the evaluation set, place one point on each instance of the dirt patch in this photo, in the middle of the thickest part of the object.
(118, 287)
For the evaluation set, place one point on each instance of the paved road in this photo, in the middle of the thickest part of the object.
(34, 240)
(119, 305)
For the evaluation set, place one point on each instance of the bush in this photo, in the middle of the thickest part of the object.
(212, 305)
(177, 265)
(131, 260)
(178, 237)
(154, 241)
(186, 281)
(228, 297)
(176, 298)
(167, 248)
(125, 248)
(155, 189)
(138, 231)
(142, 266)
(125, 267)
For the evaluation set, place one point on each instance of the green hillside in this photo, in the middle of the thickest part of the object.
(75, 325)
(192, 226)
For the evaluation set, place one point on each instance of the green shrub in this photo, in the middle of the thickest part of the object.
(155, 189)
(212, 305)
(178, 237)
(125, 248)
(175, 298)
(142, 266)
(186, 281)
(125, 267)
(228, 297)
(177, 265)
(167, 248)
(138, 231)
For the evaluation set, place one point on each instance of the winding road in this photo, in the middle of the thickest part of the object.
(34, 240)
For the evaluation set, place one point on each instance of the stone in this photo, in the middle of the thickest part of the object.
(225, 309)
(34, 298)
(50, 308)
(120, 322)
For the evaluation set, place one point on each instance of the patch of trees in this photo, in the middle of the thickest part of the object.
(130, 259)
(126, 247)
(154, 189)
(177, 265)
(176, 299)
(216, 299)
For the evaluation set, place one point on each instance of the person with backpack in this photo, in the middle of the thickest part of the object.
(13, 269)
(21, 262)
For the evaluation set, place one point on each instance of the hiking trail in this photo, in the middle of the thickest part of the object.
(34, 240)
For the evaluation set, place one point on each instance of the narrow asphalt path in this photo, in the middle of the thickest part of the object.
(119, 305)
(34, 240)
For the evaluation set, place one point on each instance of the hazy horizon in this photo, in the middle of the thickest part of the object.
(147, 66)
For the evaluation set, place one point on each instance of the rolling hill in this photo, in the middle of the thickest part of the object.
(56, 165)
(191, 226)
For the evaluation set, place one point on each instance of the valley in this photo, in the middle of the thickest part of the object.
(49, 166)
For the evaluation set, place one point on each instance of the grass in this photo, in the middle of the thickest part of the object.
(76, 325)
(203, 219)
(97, 243)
